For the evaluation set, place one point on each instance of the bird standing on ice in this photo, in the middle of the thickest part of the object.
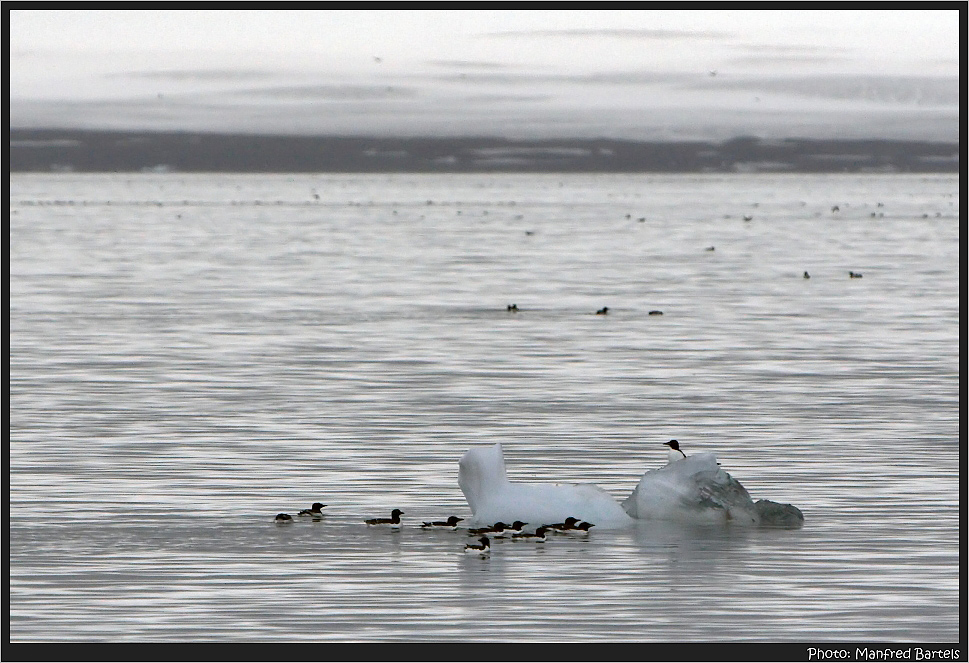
(675, 453)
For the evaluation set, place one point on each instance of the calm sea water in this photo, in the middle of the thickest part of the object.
(192, 354)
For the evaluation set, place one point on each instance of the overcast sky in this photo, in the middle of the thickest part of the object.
(618, 73)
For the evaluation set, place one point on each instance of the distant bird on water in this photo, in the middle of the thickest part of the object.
(569, 523)
(515, 528)
(604, 310)
(538, 536)
(314, 511)
(482, 549)
(283, 518)
(854, 275)
(451, 522)
(498, 529)
(806, 275)
(656, 312)
(393, 521)
(579, 528)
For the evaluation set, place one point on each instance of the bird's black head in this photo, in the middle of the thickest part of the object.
(673, 444)
(396, 512)
(317, 506)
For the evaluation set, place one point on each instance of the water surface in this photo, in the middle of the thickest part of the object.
(192, 354)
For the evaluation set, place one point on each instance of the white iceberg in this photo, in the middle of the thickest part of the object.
(693, 490)
(493, 498)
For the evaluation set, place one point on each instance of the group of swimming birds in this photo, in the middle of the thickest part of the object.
(515, 531)
(315, 512)
(603, 311)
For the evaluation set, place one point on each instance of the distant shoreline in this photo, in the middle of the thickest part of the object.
(70, 150)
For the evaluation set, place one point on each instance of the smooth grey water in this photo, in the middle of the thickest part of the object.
(191, 354)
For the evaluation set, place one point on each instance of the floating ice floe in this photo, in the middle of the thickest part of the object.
(692, 490)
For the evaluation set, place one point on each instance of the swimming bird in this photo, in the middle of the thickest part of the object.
(604, 310)
(283, 518)
(561, 527)
(675, 453)
(748, 218)
(538, 536)
(656, 312)
(483, 549)
(393, 521)
(854, 275)
(513, 307)
(515, 528)
(497, 529)
(451, 522)
(806, 275)
(313, 511)
(579, 528)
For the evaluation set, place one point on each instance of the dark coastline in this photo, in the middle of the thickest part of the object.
(56, 150)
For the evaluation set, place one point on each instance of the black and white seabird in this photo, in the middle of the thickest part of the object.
(675, 453)
(498, 529)
(579, 528)
(603, 311)
(569, 523)
(538, 536)
(482, 549)
(451, 522)
(393, 521)
(314, 511)
(283, 518)
(515, 528)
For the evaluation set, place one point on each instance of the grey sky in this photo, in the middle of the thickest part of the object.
(618, 73)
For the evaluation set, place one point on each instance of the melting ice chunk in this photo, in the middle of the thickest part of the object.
(692, 490)
(492, 497)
